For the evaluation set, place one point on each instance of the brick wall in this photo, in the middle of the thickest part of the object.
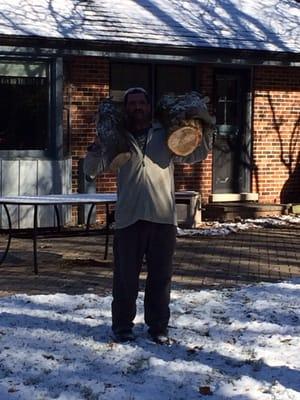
(86, 84)
(276, 135)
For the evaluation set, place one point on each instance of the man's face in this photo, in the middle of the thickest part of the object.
(137, 108)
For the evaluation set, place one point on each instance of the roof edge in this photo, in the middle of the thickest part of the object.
(36, 46)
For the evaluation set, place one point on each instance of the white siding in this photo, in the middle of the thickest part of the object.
(32, 177)
(10, 187)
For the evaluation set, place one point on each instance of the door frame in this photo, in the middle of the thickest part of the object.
(246, 80)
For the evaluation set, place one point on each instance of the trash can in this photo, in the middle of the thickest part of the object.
(188, 208)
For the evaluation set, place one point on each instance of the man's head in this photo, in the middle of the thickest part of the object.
(137, 107)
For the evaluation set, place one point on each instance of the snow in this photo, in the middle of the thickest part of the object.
(228, 343)
(240, 343)
(225, 228)
(238, 24)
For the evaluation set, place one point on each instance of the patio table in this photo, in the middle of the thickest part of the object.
(55, 200)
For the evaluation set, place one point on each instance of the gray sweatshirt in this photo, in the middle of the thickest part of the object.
(146, 181)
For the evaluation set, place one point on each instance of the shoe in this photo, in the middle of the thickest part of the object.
(160, 337)
(123, 337)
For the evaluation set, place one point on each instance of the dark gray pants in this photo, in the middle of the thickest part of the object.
(157, 243)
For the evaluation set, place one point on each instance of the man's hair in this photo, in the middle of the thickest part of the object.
(135, 90)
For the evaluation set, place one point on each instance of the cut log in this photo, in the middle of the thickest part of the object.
(186, 119)
(183, 140)
(115, 149)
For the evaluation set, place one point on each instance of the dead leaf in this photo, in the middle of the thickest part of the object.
(205, 390)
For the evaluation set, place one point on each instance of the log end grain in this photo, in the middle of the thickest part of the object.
(184, 140)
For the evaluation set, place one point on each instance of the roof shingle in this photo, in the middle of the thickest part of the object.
(236, 24)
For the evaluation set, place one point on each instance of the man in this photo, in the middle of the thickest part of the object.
(145, 221)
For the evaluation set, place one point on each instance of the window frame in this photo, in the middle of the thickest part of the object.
(54, 150)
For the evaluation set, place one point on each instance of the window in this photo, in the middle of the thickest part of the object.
(156, 79)
(177, 79)
(124, 76)
(227, 103)
(24, 105)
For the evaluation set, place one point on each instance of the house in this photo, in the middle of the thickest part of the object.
(59, 58)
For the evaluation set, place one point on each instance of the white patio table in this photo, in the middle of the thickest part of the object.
(56, 200)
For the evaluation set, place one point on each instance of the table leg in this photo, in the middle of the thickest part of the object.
(88, 222)
(106, 231)
(57, 217)
(34, 238)
(9, 234)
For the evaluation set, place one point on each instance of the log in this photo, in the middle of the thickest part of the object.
(183, 140)
(185, 118)
(115, 150)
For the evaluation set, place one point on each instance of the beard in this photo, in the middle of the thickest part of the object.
(138, 117)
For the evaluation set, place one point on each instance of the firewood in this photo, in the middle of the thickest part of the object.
(110, 129)
(185, 118)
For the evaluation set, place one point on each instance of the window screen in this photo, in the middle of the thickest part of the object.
(24, 106)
